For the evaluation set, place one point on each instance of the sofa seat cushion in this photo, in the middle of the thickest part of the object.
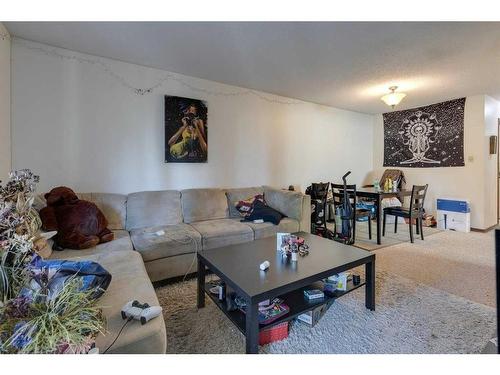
(121, 242)
(177, 239)
(223, 232)
(263, 230)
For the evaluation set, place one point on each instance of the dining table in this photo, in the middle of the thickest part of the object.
(377, 195)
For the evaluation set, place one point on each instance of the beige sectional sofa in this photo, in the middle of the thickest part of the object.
(157, 235)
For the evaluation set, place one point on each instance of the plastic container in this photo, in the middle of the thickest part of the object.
(275, 333)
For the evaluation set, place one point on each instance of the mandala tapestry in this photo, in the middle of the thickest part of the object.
(424, 137)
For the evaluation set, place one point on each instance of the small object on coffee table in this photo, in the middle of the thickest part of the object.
(313, 294)
(313, 316)
(264, 265)
(279, 240)
(340, 279)
(219, 290)
(356, 279)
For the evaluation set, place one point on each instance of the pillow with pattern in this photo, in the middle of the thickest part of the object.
(245, 207)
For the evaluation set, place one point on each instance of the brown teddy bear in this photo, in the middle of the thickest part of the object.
(79, 224)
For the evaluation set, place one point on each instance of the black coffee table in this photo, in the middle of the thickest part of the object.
(238, 267)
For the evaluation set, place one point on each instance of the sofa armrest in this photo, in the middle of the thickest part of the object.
(293, 204)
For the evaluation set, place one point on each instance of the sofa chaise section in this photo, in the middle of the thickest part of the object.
(129, 281)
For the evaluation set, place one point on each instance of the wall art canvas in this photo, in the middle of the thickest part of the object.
(425, 137)
(185, 130)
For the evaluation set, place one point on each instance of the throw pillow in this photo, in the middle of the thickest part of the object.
(260, 210)
(245, 206)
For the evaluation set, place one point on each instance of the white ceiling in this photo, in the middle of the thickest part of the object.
(346, 65)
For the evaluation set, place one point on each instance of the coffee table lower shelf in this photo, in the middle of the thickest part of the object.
(295, 300)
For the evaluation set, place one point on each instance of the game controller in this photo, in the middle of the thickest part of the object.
(138, 311)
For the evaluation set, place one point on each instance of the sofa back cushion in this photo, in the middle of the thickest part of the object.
(236, 195)
(203, 204)
(153, 208)
(286, 202)
(113, 206)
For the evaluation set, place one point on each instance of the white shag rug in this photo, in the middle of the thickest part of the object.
(409, 318)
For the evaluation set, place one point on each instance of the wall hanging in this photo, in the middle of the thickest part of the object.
(185, 130)
(424, 137)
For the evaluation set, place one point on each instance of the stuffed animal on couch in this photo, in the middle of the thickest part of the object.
(79, 224)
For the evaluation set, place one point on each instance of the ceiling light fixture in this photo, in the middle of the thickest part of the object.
(394, 98)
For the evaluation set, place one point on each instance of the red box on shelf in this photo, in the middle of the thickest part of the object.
(275, 333)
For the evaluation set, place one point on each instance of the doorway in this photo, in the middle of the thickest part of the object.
(498, 171)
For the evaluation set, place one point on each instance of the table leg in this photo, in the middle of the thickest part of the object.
(252, 329)
(370, 285)
(379, 205)
(201, 284)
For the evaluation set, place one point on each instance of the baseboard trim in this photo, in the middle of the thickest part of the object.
(483, 230)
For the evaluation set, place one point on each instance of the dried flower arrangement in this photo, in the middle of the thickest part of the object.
(67, 323)
(19, 223)
(34, 319)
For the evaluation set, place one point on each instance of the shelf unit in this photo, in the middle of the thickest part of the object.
(295, 300)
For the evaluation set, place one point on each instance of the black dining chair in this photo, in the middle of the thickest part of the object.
(338, 198)
(414, 212)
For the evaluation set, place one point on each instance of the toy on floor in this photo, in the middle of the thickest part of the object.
(138, 311)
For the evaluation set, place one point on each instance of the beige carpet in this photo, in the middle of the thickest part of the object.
(410, 318)
(433, 296)
(459, 263)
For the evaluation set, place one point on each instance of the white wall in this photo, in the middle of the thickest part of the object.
(491, 116)
(5, 159)
(474, 181)
(75, 125)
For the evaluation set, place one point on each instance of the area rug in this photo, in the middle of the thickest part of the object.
(409, 318)
(403, 235)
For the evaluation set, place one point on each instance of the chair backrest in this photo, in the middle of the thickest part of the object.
(319, 190)
(418, 197)
(338, 193)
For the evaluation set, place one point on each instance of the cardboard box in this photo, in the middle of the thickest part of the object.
(453, 214)
(313, 316)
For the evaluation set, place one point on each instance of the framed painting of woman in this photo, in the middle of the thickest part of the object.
(185, 130)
